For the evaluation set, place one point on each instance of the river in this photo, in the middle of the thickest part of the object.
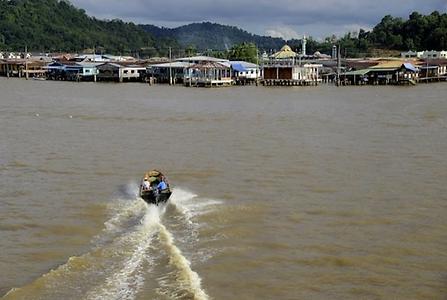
(278, 193)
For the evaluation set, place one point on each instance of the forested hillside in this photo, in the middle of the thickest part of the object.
(56, 25)
(52, 25)
(418, 32)
(206, 35)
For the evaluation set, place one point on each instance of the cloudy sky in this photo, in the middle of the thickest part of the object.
(282, 18)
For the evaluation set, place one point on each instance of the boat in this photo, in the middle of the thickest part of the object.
(149, 188)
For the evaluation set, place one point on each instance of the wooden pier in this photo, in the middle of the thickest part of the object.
(289, 82)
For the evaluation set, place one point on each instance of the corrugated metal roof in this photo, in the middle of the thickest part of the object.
(202, 58)
(388, 65)
(357, 72)
(383, 69)
(174, 64)
(210, 65)
(89, 64)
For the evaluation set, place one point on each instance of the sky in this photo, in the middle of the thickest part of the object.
(278, 18)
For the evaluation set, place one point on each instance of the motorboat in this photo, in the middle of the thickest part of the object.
(154, 188)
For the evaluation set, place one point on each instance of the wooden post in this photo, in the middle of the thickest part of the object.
(170, 68)
(26, 62)
(338, 65)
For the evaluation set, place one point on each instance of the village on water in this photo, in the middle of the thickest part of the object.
(282, 68)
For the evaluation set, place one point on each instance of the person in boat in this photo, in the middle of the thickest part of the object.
(162, 186)
(145, 185)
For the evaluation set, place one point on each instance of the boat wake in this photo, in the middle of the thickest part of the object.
(129, 256)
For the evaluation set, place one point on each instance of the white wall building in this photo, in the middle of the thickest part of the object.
(412, 54)
(434, 54)
(247, 70)
(424, 54)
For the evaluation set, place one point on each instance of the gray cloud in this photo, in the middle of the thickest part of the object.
(318, 18)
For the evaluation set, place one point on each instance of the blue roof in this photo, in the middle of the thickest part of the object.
(410, 67)
(238, 67)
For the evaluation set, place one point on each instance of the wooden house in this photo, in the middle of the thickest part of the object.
(208, 74)
(22, 68)
(433, 70)
(120, 72)
(168, 72)
(355, 77)
(245, 72)
(63, 70)
(291, 74)
(393, 72)
(192, 71)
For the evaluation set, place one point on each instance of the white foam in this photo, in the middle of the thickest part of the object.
(118, 266)
(189, 205)
(127, 281)
(187, 277)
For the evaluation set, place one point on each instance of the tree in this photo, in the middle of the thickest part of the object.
(245, 51)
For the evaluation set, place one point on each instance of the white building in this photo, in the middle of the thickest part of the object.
(245, 70)
(13, 55)
(424, 54)
(91, 58)
(434, 54)
(412, 54)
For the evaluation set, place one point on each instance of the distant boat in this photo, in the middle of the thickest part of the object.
(154, 188)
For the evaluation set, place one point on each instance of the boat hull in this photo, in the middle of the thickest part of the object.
(151, 198)
(150, 192)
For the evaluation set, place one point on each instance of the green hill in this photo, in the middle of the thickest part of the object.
(214, 36)
(56, 25)
(52, 25)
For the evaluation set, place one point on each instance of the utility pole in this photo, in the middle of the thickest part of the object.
(26, 62)
(338, 65)
(170, 68)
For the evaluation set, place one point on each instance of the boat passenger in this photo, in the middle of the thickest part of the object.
(162, 186)
(146, 186)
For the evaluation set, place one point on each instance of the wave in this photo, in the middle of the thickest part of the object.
(186, 278)
(122, 255)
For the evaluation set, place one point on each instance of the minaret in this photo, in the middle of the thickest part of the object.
(303, 45)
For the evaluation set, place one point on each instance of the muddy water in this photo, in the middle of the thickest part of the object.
(279, 193)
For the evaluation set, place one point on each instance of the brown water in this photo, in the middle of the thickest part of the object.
(279, 193)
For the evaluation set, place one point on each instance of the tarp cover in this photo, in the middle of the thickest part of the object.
(410, 67)
(238, 68)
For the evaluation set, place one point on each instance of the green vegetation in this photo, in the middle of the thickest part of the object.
(206, 35)
(419, 32)
(56, 25)
(245, 51)
(52, 25)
